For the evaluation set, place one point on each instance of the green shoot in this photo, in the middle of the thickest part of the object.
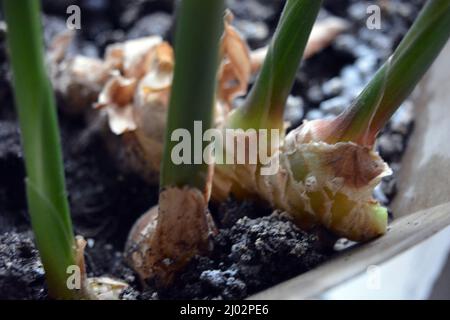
(395, 80)
(200, 26)
(45, 184)
(264, 106)
(184, 226)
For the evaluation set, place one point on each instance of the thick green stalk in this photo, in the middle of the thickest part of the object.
(183, 226)
(264, 106)
(45, 184)
(199, 28)
(395, 80)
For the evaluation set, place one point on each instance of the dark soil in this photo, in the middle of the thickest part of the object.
(255, 248)
(251, 255)
(21, 272)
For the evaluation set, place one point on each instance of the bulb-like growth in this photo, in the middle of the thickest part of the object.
(165, 239)
(327, 168)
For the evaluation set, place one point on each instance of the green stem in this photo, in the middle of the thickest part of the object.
(199, 27)
(264, 106)
(35, 104)
(396, 79)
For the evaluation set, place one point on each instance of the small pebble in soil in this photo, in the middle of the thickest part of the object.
(383, 43)
(380, 196)
(315, 94)
(351, 77)
(255, 32)
(314, 114)
(345, 42)
(334, 106)
(251, 9)
(332, 87)
(367, 65)
(357, 11)
(158, 23)
(390, 146)
(294, 109)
